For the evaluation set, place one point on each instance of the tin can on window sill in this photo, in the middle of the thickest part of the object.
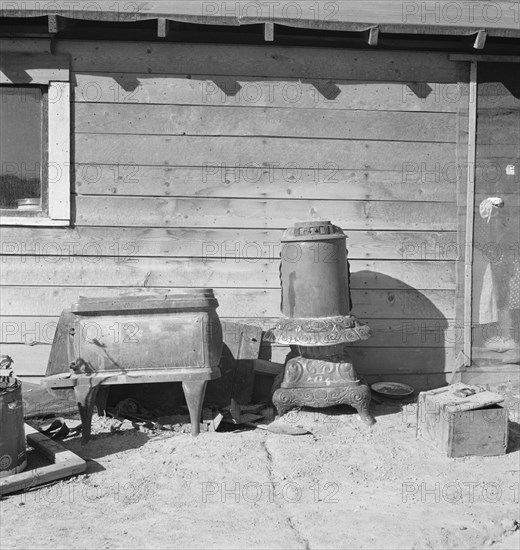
(28, 204)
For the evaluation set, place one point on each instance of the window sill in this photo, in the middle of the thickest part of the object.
(33, 220)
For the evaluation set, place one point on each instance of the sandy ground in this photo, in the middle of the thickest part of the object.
(345, 486)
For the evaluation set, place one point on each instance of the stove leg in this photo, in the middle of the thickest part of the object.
(364, 413)
(101, 400)
(359, 398)
(86, 398)
(366, 417)
(194, 391)
(283, 400)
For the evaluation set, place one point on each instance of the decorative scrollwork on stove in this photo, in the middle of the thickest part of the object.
(323, 331)
(305, 372)
(294, 371)
(358, 397)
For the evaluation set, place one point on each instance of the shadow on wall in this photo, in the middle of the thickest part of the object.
(492, 75)
(412, 338)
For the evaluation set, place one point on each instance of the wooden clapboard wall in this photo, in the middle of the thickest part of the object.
(190, 160)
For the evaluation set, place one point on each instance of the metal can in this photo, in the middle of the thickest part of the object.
(13, 453)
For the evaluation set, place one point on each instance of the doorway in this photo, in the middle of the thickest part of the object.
(496, 237)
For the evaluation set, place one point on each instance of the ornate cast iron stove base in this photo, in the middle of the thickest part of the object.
(323, 383)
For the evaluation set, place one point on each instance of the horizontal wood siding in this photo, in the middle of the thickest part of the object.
(190, 160)
(279, 64)
(241, 91)
(270, 182)
(258, 213)
(204, 120)
(126, 243)
(223, 272)
(241, 302)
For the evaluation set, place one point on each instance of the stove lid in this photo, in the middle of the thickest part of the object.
(313, 231)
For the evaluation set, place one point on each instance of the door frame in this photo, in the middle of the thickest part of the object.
(466, 207)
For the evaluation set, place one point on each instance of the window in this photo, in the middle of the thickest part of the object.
(22, 142)
(34, 140)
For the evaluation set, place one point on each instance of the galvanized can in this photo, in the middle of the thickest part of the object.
(13, 453)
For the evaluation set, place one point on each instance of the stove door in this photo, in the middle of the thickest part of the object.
(139, 342)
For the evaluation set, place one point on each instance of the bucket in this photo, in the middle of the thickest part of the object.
(13, 454)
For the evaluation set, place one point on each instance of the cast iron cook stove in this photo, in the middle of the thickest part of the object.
(136, 339)
(317, 323)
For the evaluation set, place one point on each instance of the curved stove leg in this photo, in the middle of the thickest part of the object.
(359, 398)
(85, 397)
(194, 391)
(284, 400)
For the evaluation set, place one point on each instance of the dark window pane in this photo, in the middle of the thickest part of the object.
(20, 146)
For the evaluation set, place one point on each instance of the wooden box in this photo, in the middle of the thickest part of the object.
(463, 420)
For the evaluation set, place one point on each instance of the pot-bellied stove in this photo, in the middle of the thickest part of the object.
(317, 323)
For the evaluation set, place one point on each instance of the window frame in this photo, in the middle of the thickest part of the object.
(53, 72)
